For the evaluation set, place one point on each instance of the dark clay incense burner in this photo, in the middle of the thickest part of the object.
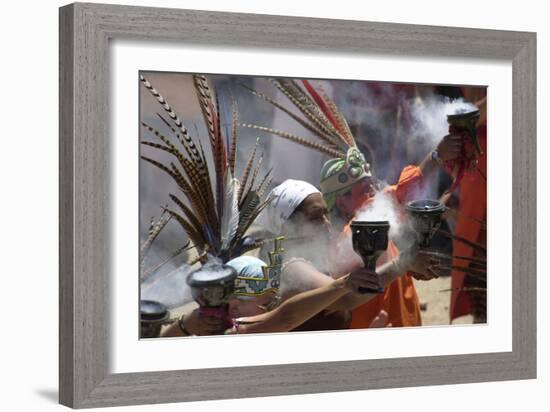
(211, 287)
(152, 316)
(467, 121)
(426, 216)
(370, 240)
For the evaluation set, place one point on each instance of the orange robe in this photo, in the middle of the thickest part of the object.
(399, 299)
(472, 206)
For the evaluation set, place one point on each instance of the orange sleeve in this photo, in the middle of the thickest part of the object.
(409, 185)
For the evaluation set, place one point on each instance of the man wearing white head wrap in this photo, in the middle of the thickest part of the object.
(298, 212)
(286, 198)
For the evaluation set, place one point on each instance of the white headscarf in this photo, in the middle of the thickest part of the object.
(285, 200)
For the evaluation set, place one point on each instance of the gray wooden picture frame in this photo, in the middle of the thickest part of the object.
(85, 32)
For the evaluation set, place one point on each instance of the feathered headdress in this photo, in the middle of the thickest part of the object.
(215, 216)
(321, 116)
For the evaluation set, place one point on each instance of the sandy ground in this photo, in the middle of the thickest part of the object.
(434, 302)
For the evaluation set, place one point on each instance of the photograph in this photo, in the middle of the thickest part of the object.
(273, 204)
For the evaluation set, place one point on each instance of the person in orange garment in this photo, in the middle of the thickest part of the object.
(348, 187)
(472, 212)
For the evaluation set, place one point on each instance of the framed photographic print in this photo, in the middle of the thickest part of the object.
(251, 198)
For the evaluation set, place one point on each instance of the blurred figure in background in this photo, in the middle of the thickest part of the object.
(469, 295)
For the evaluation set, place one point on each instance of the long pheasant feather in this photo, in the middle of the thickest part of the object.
(157, 146)
(166, 140)
(298, 139)
(234, 136)
(184, 133)
(193, 197)
(211, 215)
(246, 223)
(212, 200)
(247, 169)
(347, 136)
(195, 237)
(256, 170)
(264, 183)
(323, 106)
(195, 200)
(146, 274)
(205, 99)
(304, 103)
(153, 232)
(212, 120)
(220, 160)
(200, 160)
(230, 217)
(198, 187)
(326, 137)
(307, 102)
(193, 220)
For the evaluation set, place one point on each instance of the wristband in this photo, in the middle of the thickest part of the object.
(435, 156)
(182, 327)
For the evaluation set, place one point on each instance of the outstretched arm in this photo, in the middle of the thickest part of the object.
(303, 306)
(387, 273)
(408, 261)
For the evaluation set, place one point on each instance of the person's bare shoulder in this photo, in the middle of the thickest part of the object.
(299, 275)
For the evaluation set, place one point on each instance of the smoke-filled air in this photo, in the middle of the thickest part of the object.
(240, 175)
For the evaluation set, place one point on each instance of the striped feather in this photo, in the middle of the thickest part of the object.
(195, 236)
(256, 170)
(306, 105)
(193, 220)
(210, 193)
(245, 224)
(209, 108)
(265, 182)
(299, 140)
(200, 160)
(247, 169)
(249, 204)
(205, 99)
(195, 200)
(347, 136)
(234, 137)
(157, 146)
(211, 216)
(198, 185)
(155, 228)
(230, 217)
(165, 140)
(184, 133)
(148, 273)
(309, 126)
(186, 188)
(323, 106)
